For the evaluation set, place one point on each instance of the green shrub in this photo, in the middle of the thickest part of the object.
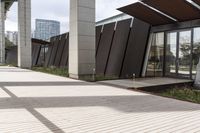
(185, 93)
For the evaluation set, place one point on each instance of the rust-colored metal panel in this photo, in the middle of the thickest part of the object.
(65, 52)
(146, 14)
(104, 48)
(60, 50)
(135, 52)
(197, 1)
(98, 35)
(118, 48)
(178, 9)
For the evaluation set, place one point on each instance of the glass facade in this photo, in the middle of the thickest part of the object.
(184, 56)
(171, 52)
(155, 61)
(196, 50)
(177, 55)
(45, 29)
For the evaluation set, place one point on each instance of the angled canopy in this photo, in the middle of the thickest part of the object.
(146, 14)
(178, 9)
(197, 1)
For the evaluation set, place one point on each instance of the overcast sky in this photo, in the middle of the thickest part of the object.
(54, 10)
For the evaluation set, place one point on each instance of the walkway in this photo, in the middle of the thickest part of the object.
(33, 102)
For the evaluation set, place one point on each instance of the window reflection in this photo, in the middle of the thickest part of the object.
(155, 61)
(184, 53)
(196, 50)
(171, 47)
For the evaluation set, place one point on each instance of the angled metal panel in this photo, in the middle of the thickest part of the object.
(11, 57)
(178, 9)
(36, 54)
(50, 48)
(60, 50)
(197, 1)
(135, 52)
(118, 48)
(54, 51)
(65, 52)
(104, 48)
(146, 14)
(98, 35)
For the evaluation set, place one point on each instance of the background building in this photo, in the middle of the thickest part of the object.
(45, 29)
(12, 36)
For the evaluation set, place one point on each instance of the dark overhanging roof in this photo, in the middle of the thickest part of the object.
(181, 10)
(197, 1)
(160, 12)
(146, 14)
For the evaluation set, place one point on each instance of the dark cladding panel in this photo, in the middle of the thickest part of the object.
(47, 58)
(65, 52)
(60, 50)
(104, 48)
(36, 54)
(146, 14)
(197, 1)
(98, 34)
(178, 9)
(54, 51)
(50, 48)
(33, 53)
(118, 48)
(135, 53)
(11, 55)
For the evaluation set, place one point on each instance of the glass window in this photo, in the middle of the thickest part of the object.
(170, 68)
(196, 50)
(184, 59)
(156, 56)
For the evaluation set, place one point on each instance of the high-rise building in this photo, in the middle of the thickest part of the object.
(45, 29)
(12, 36)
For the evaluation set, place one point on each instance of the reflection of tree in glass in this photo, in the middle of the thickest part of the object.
(184, 56)
(196, 53)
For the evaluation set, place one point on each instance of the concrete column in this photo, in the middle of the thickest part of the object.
(82, 39)
(24, 36)
(2, 32)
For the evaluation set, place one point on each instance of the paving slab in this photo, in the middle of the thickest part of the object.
(34, 102)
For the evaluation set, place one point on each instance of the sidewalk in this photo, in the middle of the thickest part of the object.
(34, 102)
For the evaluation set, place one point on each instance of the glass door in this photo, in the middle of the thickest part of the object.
(178, 54)
(171, 54)
(184, 56)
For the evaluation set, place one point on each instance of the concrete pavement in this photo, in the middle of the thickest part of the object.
(34, 102)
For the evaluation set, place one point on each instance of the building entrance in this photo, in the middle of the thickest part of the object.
(178, 57)
(174, 54)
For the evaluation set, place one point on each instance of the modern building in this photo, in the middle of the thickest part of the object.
(173, 48)
(45, 29)
(163, 39)
(12, 36)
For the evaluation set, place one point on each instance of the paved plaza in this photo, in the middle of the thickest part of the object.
(34, 102)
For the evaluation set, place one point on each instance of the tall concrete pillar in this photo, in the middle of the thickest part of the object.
(82, 39)
(2, 32)
(24, 35)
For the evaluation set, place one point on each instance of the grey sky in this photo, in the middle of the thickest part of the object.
(52, 9)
